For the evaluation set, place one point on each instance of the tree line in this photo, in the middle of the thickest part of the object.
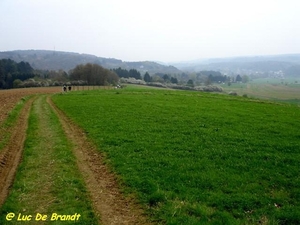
(21, 74)
(209, 77)
(11, 71)
(158, 77)
(93, 74)
(14, 75)
(126, 74)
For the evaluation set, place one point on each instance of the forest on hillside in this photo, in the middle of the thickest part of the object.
(20, 75)
(12, 72)
(58, 60)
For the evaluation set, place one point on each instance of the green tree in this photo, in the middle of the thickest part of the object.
(121, 72)
(10, 70)
(24, 67)
(147, 77)
(190, 82)
(174, 80)
(238, 78)
(166, 78)
(17, 83)
(135, 74)
(93, 74)
(156, 78)
(193, 76)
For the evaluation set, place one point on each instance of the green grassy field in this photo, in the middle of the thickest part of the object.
(197, 158)
(268, 88)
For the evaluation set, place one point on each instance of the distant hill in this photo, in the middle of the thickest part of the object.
(289, 65)
(56, 60)
(257, 66)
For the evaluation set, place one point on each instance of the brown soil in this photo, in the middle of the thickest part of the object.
(9, 98)
(11, 155)
(106, 197)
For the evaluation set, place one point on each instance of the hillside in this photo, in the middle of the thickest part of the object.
(285, 65)
(280, 66)
(56, 60)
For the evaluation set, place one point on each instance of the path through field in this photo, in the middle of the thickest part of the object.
(108, 203)
(10, 156)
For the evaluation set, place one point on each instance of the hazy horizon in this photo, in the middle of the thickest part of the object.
(164, 31)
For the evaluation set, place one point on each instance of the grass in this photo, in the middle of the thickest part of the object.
(197, 158)
(10, 121)
(47, 180)
(272, 89)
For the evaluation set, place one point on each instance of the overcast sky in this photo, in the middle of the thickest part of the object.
(160, 30)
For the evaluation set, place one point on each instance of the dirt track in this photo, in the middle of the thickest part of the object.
(10, 156)
(9, 98)
(107, 200)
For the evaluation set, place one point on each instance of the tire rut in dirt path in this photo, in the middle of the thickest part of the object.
(106, 197)
(12, 153)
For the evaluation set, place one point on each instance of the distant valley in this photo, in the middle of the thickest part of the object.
(278, 66)
(256, 66)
